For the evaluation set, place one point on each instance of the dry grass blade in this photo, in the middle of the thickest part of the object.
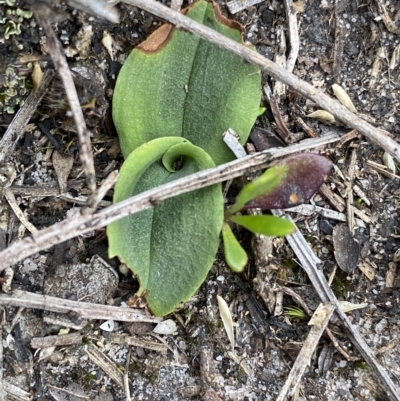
(106, 364)
(226, 317)
(15, 393)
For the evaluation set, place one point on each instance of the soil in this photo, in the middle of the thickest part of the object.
(348, 44)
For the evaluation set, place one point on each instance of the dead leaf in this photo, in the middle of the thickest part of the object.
(349, 306)
(343, 97)
(37, 75)
(347, 249)
(226, 319)
(323, 116)
(368, 270)
(62, 166)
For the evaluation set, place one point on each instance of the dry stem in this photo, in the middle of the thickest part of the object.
(85, 149)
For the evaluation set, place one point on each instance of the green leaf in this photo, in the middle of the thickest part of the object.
(172, 246)
(176, 84)
(271, 226)
(262, 185)
(235, 255)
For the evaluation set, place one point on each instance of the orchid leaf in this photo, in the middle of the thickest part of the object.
(235, 255)
(174, 97)
(176, 84)
(271, 226)
(172, 246)
(304, 174)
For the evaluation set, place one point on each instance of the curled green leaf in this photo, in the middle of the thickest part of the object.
(172, 246)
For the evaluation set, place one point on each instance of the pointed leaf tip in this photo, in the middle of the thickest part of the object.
(235, 255)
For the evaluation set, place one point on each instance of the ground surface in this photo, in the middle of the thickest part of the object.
(357, 57)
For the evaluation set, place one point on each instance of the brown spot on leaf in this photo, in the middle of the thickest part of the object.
(157, 40)
(226, 21)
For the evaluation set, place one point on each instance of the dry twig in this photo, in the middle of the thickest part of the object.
(281, 128)
(2, 321)
(99, 8)
(293, 35)
(83, 310)
(390, 25)
(235, 6)
(329, 333)
(59, 60)
(338, 45)
(176, 5)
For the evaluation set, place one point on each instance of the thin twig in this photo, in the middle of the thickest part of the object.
(176, 5)
(380, 137)
(235, 6)
(328, 332)
(83, 310)
(99, 8)
(59, 60)
(21, 119)
(75, 395)
(2, 322)
(293, 35)
(349, 191)
(19, 213)
(56, 341)
(390, 25)
(101, 192)
(338, 46)
(281, 128)
(74, 226)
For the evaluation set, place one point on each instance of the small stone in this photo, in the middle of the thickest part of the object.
(166, 327)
